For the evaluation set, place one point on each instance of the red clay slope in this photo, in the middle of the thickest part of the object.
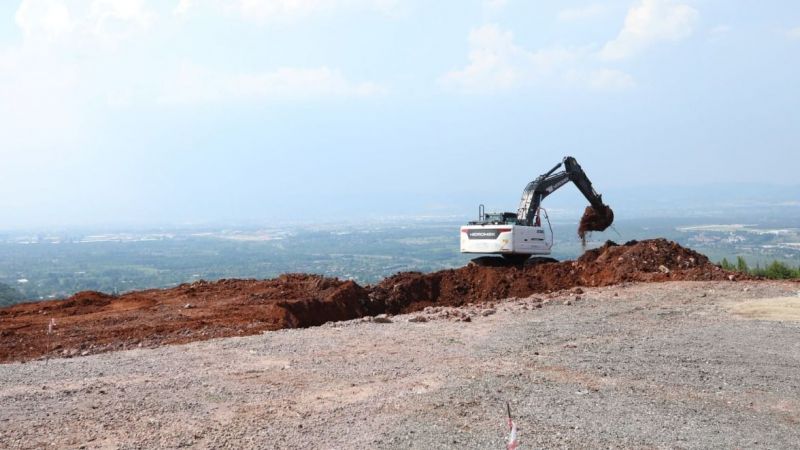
(92, 322)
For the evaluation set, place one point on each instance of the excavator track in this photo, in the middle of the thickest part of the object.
(499, 261)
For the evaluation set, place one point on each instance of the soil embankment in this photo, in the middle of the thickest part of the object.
(92, 322)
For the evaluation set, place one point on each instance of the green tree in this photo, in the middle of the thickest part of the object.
(741, 265)
(774, 270)
(779, 270)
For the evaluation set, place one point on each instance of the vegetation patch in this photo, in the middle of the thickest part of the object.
(776, 270)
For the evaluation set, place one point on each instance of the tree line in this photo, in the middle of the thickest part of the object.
(776, 270)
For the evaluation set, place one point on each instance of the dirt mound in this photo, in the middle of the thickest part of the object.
(593, 220)
(91, 322)
(82, 302)
(652, 260)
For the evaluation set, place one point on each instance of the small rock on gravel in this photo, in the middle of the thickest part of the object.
(382, 318)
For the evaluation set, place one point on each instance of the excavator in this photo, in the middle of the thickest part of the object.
(518, 236)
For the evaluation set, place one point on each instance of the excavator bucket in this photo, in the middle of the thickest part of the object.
(594, 220)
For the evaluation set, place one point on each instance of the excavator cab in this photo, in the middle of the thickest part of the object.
(505, 218)
(494, 218)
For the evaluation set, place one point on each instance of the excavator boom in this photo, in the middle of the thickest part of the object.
(546, 184)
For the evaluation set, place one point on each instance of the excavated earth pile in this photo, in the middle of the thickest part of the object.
(92, 322)
(652, 260)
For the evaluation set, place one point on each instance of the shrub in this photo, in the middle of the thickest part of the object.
(741, 265)
(776, 270)
(726, 265)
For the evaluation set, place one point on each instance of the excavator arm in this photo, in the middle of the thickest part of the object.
(546, 184)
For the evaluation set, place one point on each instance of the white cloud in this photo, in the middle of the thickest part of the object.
(195, 84)
(182, 7)
(495, 4)
(270, 11)
(43, 77)
(649, 22)
(38, 101)
(118, 19)
(496, 63)
(105, 20)
(54, 32)
(582, 13)
(793, 33)
(283, 10)
(66, 63)
(47, 19)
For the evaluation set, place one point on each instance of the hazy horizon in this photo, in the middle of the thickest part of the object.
(145, 112)
(720, 202)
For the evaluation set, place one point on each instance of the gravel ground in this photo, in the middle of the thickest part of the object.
(643, 365)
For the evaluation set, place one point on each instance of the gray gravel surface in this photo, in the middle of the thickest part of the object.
(647, 365)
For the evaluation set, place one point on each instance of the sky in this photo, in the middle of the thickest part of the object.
(194, 111)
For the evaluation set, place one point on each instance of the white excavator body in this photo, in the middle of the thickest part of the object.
(505, 239)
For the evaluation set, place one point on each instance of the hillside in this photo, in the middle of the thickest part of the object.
(92, 322)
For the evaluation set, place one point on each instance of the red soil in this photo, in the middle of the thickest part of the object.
(92, 322)
(652, 260)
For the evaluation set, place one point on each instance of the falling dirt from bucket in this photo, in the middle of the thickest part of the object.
(594, 220)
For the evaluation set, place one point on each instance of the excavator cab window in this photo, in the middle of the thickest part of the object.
(505, 218)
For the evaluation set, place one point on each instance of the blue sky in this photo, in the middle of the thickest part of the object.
(145, 111)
